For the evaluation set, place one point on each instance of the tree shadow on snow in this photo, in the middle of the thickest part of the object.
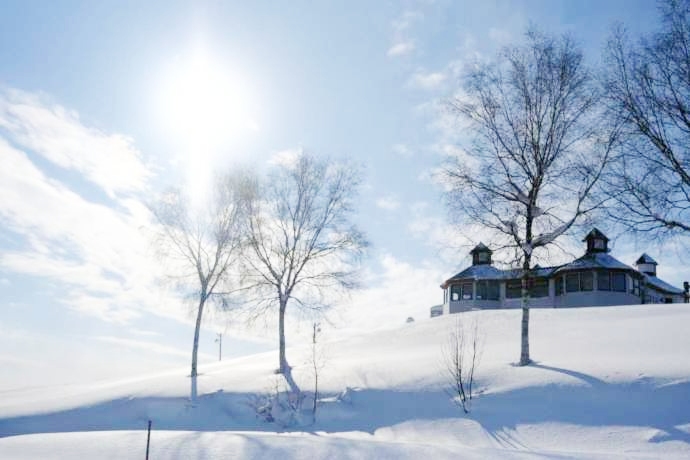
(593, 403)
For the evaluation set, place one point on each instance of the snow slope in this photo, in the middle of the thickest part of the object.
(607, 383)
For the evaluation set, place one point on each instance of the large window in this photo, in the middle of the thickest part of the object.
(461, 292)
(579, 281)
(572, 282)
(487, 290)
(559, 285)
(603, 281)
(586, 281)
(618, 282)
(636, 286)
(514, 289)
(455, 292)
(539, 287)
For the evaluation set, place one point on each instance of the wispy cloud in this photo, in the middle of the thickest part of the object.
(401, 48)
(389, 203)
(287, 157)
(402, 43)
(98, 254)
(402, 150)
(109, 161)
(427, 80)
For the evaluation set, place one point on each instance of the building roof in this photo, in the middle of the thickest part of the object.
(595, 260)
(595, 233)
(479, 272)
(662, 285)
(645, 259)
(481, 247)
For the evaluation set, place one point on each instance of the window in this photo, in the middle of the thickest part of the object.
(586, 281)
(618, 282)
(493, 290)
(483, 256)
(572, 282)
(539, 287)
(461, 292)
(636, 286)
(559, 285)
(599, 244)
(455, 292)
(481, 290)
(603, 281)
(487, 290)
(466, 291)
(514, 289)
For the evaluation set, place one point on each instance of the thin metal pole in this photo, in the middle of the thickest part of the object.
(148, 441)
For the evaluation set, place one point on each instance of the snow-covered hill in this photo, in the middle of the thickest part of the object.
(606, 383)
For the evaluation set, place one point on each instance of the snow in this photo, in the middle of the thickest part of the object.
(607, 383)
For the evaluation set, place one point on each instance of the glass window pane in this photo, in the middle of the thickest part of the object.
(586, 281)
(618, 282)
(493, 290)
(559, 285)
(455, 292)
(572, 282)
(540, 287)
(467, 291)
(481, 290)
(603, 281)
(514, 289)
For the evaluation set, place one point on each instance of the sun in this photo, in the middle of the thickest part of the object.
(203, 108)
(204, 104)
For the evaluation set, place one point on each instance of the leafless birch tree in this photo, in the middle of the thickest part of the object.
(536, 151)
(303, 247)
(648, 90)
(199, 248)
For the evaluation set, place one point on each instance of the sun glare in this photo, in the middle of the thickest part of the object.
(204, 104)
(204, 109)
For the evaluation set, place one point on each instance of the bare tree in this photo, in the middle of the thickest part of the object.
(303, 246)
(461, 359)
(200, 247)
(536, 154)
(648, 91)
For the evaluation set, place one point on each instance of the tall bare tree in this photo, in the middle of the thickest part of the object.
(303, 246)
(200, 248)
(648, 90)
(536, 150)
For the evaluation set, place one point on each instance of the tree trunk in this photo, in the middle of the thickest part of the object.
(195, 347)
(284, 367)
(524, 340)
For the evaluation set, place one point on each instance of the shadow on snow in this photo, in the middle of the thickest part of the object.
(594, 403)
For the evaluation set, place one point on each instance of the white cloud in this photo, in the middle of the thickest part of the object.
(287, 157)
(389, 203)
(402, 150)
(110, 161)
(401, 48)
(427, 80)
(99, 256)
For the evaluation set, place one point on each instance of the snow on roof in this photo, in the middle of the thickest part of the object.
(645, 259)
(662, 285)
(595, 260)
(479, 272)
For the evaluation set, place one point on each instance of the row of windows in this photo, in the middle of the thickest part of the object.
(486, 290)
(606, 281)
(539, 287)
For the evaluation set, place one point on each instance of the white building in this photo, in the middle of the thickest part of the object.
(596, 278)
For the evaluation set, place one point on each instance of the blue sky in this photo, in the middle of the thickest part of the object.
(95, 120)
